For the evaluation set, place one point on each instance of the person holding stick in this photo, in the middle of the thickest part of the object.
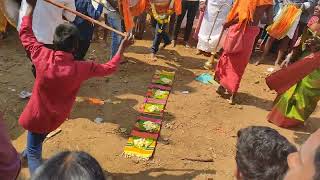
(57, 83)
(47, 18)
(85, 27)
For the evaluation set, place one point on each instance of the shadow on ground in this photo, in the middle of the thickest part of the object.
(164, 174)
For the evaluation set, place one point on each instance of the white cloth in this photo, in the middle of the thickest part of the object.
(206, 41)
(46, 17)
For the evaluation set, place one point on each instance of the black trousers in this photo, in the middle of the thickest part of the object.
(192, 8)
(82, 50)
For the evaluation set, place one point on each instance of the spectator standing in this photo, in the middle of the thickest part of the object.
(114, 19)
(189, 7)
(85, 27)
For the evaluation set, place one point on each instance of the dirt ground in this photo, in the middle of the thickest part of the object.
(197, 125)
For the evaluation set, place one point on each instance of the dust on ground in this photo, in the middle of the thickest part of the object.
(196, 125)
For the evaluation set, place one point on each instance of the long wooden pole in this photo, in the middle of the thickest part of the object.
(85, 17)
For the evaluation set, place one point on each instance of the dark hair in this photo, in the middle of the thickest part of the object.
(66, 37)
(70, 166)
(262, 153)
(317, 164)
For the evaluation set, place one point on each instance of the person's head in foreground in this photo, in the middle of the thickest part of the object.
(262, 154)
(305, 164)
(66, 38)
(70, 166)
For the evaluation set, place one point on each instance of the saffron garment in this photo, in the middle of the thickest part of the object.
(3, 22)
(206, 41)
(131, 8)
(58, 80)
(294, 105)
(231, 66)
(244, 10)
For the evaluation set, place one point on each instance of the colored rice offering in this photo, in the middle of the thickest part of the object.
(146, 130)
(163, 77)
(153, 108)
(158, 94)
(147, 126)
(140, 147)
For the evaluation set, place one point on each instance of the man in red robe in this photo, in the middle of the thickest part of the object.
(242, 24)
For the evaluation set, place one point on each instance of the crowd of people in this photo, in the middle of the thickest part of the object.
(227, 30)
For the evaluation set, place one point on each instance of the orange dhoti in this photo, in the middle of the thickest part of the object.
(231, 66)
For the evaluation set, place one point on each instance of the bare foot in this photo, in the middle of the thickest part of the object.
(2, 36)
(208, 65)
(165, 45)
(221, 90)
(198, 52)
(173, 43)
(277, 64)
(231, 100)
(258, 62)
(187, 45)
(153, 57)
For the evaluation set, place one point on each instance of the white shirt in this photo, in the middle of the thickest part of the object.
(46, 18)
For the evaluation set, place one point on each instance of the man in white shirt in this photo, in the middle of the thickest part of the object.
(47, 17)
(45, 20)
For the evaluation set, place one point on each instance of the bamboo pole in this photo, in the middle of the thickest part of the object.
(85, 17)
